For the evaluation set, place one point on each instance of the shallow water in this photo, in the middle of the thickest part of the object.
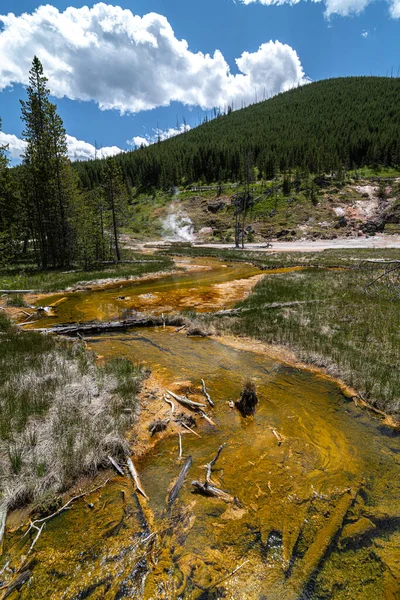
(203, 290)
(335, 466)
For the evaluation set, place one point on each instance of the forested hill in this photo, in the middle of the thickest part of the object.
(320, 127)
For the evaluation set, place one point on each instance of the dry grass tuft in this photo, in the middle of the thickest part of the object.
(60, 414)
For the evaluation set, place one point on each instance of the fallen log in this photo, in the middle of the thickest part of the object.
(179, 482)
(135, 478)
(19, 291)
(116, 465)
(17, 583)
(205, 392)
(186, 402)
(306, 567)
(138, 320)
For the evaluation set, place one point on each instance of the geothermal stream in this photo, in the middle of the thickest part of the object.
(312, 505)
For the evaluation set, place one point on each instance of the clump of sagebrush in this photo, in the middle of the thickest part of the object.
(60, 414)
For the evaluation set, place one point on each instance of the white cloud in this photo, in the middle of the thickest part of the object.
(16, 146)
(131, 63)
(365, 34)
(158, 134)
(80, 150)
(343, 8)
(77, 149)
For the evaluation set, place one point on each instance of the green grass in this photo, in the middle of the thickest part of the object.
(16, 300)
(352, 332)
(27, 277)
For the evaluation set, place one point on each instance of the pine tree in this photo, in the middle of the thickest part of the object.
(115, 196)
(49, 183)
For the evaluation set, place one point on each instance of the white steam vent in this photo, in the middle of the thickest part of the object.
(177, 226)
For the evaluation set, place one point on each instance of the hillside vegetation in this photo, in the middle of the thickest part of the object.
(321, 127)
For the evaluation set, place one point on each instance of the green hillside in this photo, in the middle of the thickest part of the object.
(324, 126)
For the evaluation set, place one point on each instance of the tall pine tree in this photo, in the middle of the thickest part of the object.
(49, 183)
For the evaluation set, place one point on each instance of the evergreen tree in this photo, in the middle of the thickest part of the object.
(49, 184)
(115, 196)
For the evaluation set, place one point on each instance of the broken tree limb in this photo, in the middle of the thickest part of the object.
(186, 402)
(210, 465)
(180, 328)
(211, 491)
(116, 465)
(180, 444)
(189, 428)
(228, 576)
(135, 478)
(206, 417)
(179, 482)
(3, 519)
(205, 392)
(33, 524)
(171, 404)
(278, 436)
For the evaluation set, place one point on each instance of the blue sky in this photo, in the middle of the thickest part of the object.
(118, 75)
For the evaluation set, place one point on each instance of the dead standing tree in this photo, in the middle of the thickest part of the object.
(381, 274)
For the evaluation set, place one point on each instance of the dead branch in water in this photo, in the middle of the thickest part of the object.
(16, 583)
(211, 491)
(278, 436)
(188, 428)
(231, 574)
(3, 519)
(171, 404)
(135, 478)
(116, 465)
(207, 488)
(206, 417)
(186, 402)
(33, 524)
(180, 444)
(210, 465)
(205, 392)
(179, 482)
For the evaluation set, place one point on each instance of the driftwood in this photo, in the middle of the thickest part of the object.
(180, 328)
(189, 428)
(211, 491)
(3, 519)
(306, 567)
(278, 436)
(135, 478)
(116, 465)
(180, 444)
(186, 402)
(171, 404)
(206, 417)
(210, 465)
(139, 320)
(207, 488)
(205, 392)
(179, 482)
(17, 583)
(33, 524)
